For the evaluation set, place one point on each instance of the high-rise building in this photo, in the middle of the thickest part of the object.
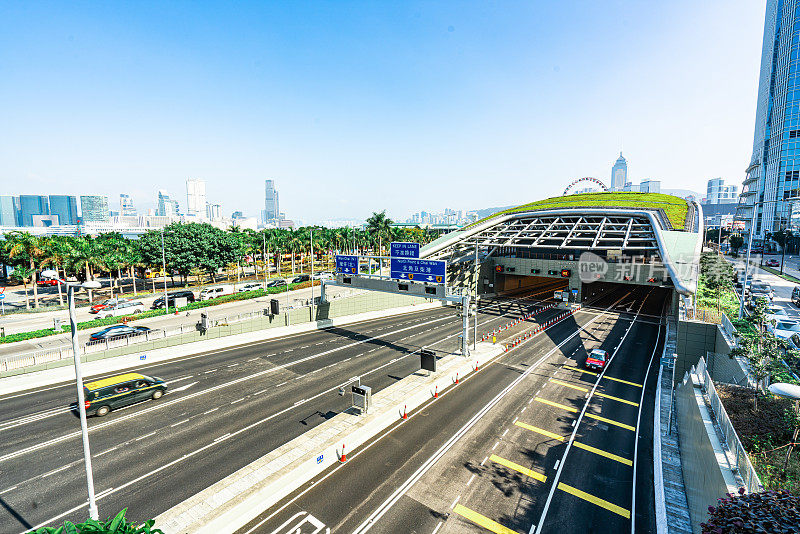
(619, 174)
(126, 207)
(772, 181)
(94, 208)
(196, 198)
(650, 186)
(271, 205)
(213, 212)
(66, 207)
(719, 193)
(30, 205)
(166, 206)
(237, 215)
(9, 211)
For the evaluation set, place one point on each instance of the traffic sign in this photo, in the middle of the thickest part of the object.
(2, 296)
(347, 264)
(418, 270)
(404, 250)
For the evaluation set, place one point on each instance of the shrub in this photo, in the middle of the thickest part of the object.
(773, 512)
(117, 525)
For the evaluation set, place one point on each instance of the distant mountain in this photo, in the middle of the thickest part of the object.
(683, 193)
(491, 211)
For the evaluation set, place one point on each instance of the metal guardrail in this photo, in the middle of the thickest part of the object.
(742, 460)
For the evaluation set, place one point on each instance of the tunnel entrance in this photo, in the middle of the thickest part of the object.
(650, 300)
(538, 287)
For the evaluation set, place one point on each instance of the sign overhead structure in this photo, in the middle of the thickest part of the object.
(432, 271)
(347, 264)
(404, 250)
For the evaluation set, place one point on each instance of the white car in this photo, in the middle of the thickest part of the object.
(776, 313)
(250, 286)
(784, 329)
(122, 308)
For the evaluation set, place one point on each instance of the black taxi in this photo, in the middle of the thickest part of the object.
(102, 396)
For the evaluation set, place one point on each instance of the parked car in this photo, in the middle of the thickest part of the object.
(216, 291)
(772, 263)
(796, 295)
(122, 308)
(777, 313)
(118, 331)
(250, 286)
(276, 283)
(597, 359)
(45, 282)
(301, 278)
(784, 329)
(102, 396)
(159, 302)
(106, 304)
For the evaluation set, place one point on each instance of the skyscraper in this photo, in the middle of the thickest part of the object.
(66, 207)
(30, 205)
(196, 198)
(94, 208)
(619, 174)
(773, 175)
(166, 206)
(272, 211)
(126, 207)
(719, 193)
(9, 211)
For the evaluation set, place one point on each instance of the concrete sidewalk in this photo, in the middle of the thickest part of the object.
(237, 499)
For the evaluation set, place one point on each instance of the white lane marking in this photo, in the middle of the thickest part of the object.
(12, 488)
(454, 502)
(53, 472)
(504, 433)
(178, 423)
(33, 417)
(232, 365)
(221, 438)
(471, 479)
(211, 410)
(515, 420)
(145, 436)
(252, 359)
(106, 451)
(557, 462)
(347, 360)
(163, 405)
(237, 400)
(209, 371)
(484, 460)
(104, 493)
(183, 388)
(495, 445)
(179, 379)
(437, 528)
(523, 409)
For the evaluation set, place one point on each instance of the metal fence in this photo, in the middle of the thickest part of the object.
(742, 462)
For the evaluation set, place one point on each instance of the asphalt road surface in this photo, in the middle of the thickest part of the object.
(517, 448)
(224, 409)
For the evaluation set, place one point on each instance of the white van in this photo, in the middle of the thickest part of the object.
(216, 291)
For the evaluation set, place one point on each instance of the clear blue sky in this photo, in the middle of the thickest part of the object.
(359, 106)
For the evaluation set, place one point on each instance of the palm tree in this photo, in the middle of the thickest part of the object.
(86, 255)
(56, 250)
(24, 274)
(380, 226)
(30, 247)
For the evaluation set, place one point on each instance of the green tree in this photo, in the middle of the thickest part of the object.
(24, 275)
(28, 247)
(737, 242)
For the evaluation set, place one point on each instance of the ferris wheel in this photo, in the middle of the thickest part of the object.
(585, 179)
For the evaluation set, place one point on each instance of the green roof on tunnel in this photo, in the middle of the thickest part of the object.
(674, 207)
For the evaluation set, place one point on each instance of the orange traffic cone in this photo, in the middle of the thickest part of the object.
(436, 392)
(405, 415)
(343, 457)
(456, 378)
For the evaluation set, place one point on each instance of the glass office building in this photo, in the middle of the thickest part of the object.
(772, 182)
(94, 208)
(9, 211)
(66, 207)
(30, 205)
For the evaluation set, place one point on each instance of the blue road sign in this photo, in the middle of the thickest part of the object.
(347, 264)
(2, 296)
(404, 250)
(319, 458)
(418, 270)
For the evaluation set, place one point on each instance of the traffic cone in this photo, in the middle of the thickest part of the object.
(456, 378)
(476, 365)
(436, 393)
(343, 457)
(405, 415)
(124, 320)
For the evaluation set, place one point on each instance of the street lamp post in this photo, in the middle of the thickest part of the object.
(312, 275)
(164, 269)
(76, 358)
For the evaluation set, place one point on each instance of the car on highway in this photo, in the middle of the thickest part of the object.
(106, 304)
(186, 294)
(249, 286)
(276, 283)
(216, 291)
(772, 263)
(774, 312)
(117, 331)
(301, 278)
(122, 308)
(102, 396)
(784, 329)
(597, 359)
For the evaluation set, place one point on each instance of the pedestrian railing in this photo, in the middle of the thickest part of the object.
(742, 463)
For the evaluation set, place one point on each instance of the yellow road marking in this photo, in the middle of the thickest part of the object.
(540, 431)
(557, 405)
(573, 386)
(623, 381)
(482, 520)
(594, 500)
(610, 421)
(601, 452)
(616, 398)
(579, 370)
(516, 467)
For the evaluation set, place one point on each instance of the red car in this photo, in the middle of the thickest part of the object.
(46, 282)
(597, 359)
(110, 303)
(772, 263)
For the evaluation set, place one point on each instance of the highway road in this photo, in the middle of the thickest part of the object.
(224, 409)
(531, 443)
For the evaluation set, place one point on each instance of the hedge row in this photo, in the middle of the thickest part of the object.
(95, 323)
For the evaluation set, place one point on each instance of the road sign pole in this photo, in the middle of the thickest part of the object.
(465, 326)
(477, 274)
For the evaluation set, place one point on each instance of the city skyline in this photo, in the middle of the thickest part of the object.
(392, 114)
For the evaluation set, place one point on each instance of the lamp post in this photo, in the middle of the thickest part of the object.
(312, 275)
(164, 269)
(87, 455)
(788, 391)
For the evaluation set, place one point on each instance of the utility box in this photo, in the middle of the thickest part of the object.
(57, 324)
(427, 360)
(204, 322)
(362, 398)
(180, 302)
(274, 307)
